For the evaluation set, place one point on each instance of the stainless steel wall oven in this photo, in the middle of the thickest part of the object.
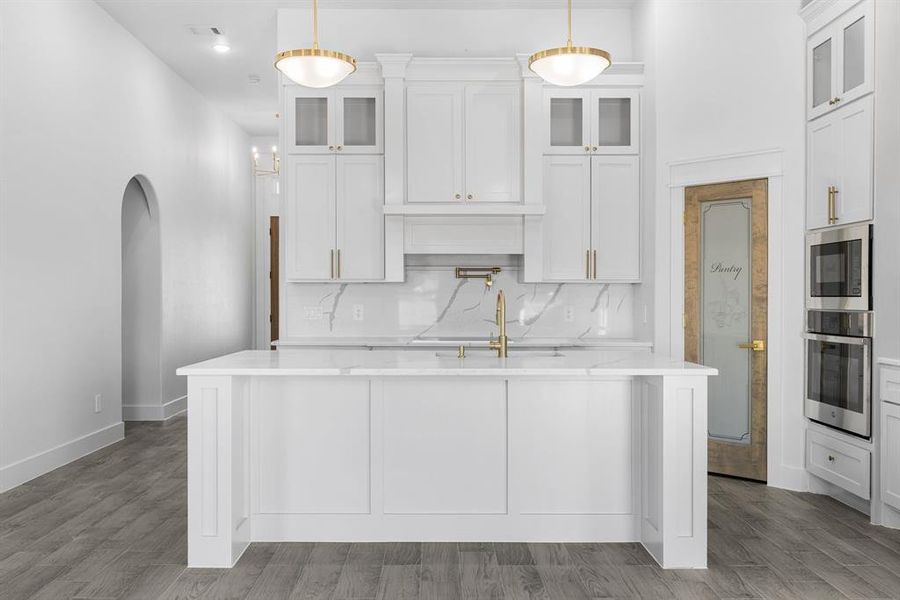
(839, 370)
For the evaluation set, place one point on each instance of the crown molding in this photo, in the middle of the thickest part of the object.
(819, 13)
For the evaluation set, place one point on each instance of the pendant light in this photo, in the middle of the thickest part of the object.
(314, 67)
(569, 65)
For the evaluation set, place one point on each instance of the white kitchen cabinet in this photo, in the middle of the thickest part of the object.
(890, 454)
(567, 222)
(463, 142)
(333, 212)
(346, 120)
(615, 218)
(309, 217)
(434, 143)
(591, 121)
(591, 228)
(840, 61)
(840, 156)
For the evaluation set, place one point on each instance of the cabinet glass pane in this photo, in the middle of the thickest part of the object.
(854, 54)
(311, 122)
(821, 74)
(614, 122)
(565, 122)
(725, 315)
(359, 121)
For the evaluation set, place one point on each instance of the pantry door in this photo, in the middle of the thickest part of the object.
(725, 305)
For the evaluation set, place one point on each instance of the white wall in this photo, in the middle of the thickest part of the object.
(442, 33)
(727, 78)
(83, 108)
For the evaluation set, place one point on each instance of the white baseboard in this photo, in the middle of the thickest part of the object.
(784, 477)
(34, 466)
(154, 412)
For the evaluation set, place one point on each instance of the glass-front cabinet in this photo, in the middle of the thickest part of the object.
(840, 61)
(344, 120)
(591, 121)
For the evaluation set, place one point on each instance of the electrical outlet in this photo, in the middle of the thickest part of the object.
(98, 403)
(358, 312)
(570, 314)
(312, 313)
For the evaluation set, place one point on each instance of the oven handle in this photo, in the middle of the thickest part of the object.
(838, 339)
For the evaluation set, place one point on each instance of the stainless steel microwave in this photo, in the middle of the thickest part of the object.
(838, 268)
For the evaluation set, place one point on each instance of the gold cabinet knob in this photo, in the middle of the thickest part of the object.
(595, 148)
(458, 196)
(340, 148)
(587, 148)
(331, 147)
(469, 196)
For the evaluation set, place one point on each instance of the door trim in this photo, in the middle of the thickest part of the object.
(748, 461)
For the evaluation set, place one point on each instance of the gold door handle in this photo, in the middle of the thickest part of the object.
(332, 263)
(587, 263)
(338, 263)
(595, 264)
(755, 345)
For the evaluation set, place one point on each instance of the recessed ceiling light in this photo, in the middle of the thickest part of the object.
(221, 47)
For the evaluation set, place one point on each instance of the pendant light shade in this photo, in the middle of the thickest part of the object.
(315, 67)
(569, 65)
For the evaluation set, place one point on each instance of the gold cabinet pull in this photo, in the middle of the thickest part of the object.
(332, 263)
(338, 263)
(587, 264)
(832, 208)
(755, 345)
(595, 264)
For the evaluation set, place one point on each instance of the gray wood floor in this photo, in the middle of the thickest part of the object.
(112, 525)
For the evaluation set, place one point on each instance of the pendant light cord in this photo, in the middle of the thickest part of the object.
(316, 23)
(570, 24)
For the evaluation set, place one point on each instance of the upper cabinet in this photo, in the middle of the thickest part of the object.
(840, 154)
(840, 61)
(591, 121)
(463, 142)
(591, 229)
(345, 120)
(333, 216)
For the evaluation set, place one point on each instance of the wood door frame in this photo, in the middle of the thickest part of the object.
(273, 278)
(748, 461)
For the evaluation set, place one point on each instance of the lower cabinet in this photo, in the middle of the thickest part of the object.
(838, 462)
(591, 228)
(890, 454)
(334, 218)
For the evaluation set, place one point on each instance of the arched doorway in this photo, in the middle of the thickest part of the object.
(141, 301)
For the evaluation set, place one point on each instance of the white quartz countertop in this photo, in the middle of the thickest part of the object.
(453, 342)
(377, 363)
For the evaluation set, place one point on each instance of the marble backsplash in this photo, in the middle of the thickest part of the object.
(433, 303)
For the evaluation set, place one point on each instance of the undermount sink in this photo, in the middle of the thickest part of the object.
(485, 353)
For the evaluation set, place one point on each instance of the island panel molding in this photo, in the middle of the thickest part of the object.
(376, 446)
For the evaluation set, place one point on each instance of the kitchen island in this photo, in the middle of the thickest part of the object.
(378, 445)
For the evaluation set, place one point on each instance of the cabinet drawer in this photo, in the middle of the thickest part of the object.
(842, 464)
(889, 383)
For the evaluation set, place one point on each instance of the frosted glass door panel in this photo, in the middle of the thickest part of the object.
(725, 315)
(614, 121)
(566, 122)
(821, 73)
(311, 122)
(854, 54)
(359, 122)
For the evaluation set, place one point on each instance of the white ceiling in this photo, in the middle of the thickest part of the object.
(250, 28)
